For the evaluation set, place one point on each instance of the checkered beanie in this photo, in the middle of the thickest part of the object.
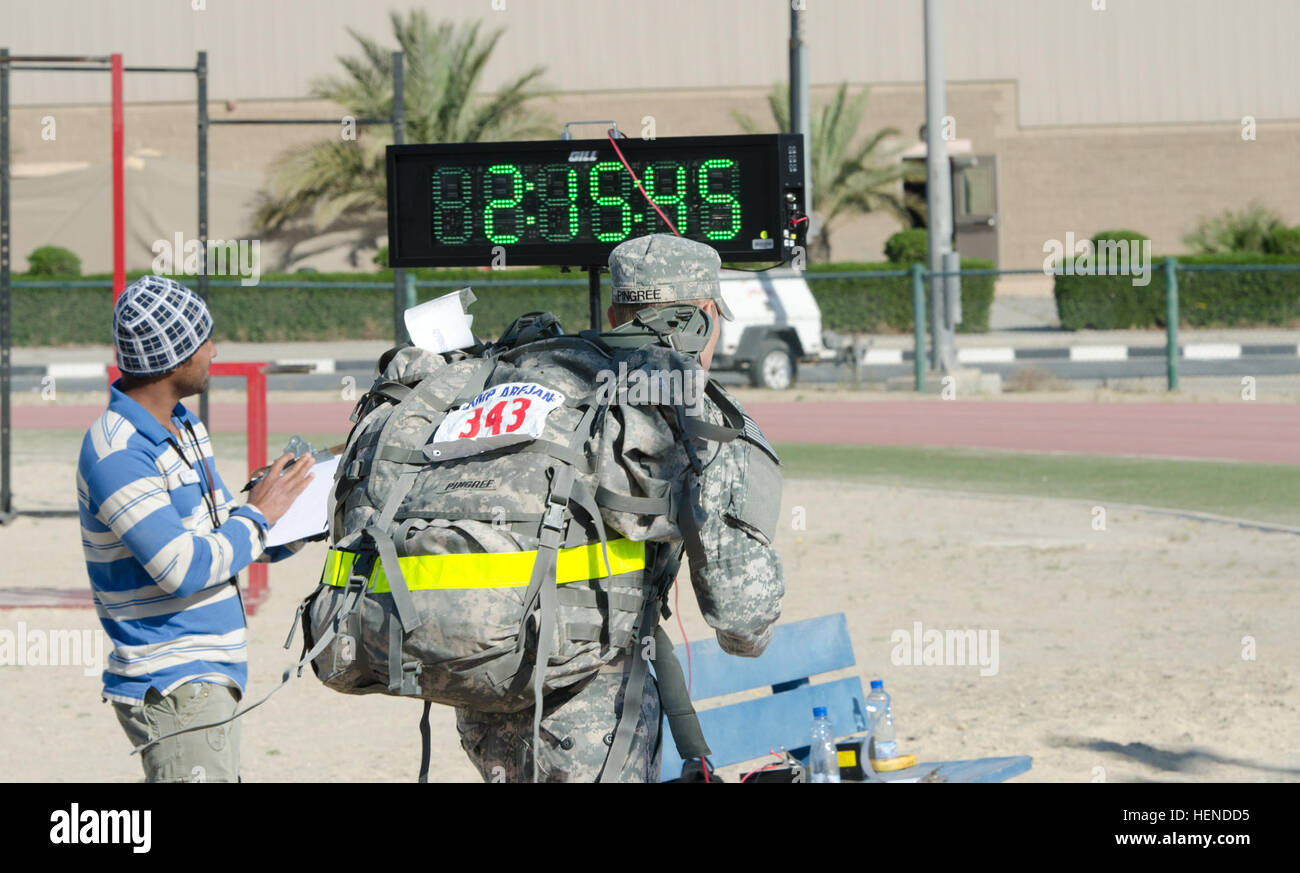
(158, 324)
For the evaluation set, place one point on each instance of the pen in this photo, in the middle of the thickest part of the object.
(261, 474)
(322, 455)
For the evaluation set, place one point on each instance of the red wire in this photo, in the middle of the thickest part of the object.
(690, 678)
(779, 762)
(799, 219)
(639, 186)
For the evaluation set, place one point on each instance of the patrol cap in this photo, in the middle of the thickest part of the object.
(662, 268)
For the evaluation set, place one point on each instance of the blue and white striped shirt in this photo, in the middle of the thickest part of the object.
(160, 572)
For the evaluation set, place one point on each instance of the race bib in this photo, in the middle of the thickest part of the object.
(503, 415)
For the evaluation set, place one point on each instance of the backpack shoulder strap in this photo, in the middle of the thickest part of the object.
(732, 414)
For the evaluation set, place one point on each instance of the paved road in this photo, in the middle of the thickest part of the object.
(1083, 356)
(817, 374)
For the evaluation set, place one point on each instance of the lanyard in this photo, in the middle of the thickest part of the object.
(210, 494)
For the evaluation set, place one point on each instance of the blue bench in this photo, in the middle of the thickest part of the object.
(751, 728)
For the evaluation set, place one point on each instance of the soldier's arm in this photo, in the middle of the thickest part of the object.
(740, 588)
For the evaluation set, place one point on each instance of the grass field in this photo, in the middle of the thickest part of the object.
(1259, 492)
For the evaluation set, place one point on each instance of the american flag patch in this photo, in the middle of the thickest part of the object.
(754, 435)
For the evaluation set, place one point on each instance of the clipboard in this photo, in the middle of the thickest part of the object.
(308, 516)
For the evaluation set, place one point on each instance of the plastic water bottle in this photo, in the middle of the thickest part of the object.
(883, 741)
(823, 758)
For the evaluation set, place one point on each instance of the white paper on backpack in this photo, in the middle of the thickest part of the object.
(441, 324)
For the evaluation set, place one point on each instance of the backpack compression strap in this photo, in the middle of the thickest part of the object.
(542, 594)
(541, 591)
(402, 678)
(683, 723)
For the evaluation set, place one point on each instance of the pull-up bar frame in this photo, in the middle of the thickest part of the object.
(114, 66)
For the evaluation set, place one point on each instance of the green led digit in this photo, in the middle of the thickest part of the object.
(654, 186)
(451, 206)
(732, 185)
(568, 179)
(499, 203)
(619, 200)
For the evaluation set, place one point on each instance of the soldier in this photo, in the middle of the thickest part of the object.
(739, 587)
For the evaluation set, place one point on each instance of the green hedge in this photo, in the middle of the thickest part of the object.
(72, 316)
(53, 261)
(1118, 236)
(1212, 299)
(910, 246)
(884, 305)
(1283, 241)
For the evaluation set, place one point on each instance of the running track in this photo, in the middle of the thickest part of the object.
(1242, 431)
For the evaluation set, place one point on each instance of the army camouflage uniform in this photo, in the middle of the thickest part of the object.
(739, 589)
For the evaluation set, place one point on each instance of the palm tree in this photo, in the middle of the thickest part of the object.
(1229, 231)
(846, 179)
(340, 184)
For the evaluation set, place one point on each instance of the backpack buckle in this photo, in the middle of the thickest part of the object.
(553, 519)
(410, 673)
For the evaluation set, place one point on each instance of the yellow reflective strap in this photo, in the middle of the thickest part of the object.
(490, 570)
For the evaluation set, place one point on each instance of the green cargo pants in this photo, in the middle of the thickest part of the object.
(199, 756)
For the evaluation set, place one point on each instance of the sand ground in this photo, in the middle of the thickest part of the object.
(1158, 649)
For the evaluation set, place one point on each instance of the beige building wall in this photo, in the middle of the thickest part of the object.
(1128, 62)
(1129, 116)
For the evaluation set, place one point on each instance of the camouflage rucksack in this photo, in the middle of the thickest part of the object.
(503, 507)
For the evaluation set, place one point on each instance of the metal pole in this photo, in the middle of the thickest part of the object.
(918, 324)
(399, 137)
(119, 183)
(1171, 322)
(799, 119)
(333, 121)
(6, 310)
(69, 59)
(593, 297)
(938, 184)
(201, 71)
(951, 292)
(255, 386)
(408, 292)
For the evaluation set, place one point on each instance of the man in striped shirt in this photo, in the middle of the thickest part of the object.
(164, 539)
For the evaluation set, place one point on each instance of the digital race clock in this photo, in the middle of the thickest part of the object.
(572, 201)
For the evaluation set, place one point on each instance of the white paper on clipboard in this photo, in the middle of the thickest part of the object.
(309, 514)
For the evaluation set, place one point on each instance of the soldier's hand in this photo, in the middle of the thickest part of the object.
(278, 489)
